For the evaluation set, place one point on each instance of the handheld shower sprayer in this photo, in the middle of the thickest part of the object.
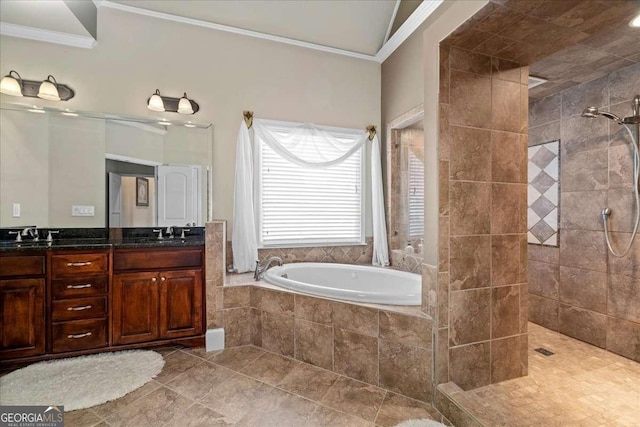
(634, 119)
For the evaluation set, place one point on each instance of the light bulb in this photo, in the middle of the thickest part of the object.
(11, 85)
(49, 90)
(184, 106)
(155, 103)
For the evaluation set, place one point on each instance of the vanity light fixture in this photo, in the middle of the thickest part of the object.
(635, 22)
(49, 89)
(184, 105)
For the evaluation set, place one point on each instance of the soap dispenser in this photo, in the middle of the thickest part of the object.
(409, 249)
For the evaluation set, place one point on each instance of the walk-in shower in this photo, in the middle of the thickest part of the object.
(630, 123)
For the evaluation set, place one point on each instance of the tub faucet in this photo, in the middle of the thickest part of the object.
(257, 274)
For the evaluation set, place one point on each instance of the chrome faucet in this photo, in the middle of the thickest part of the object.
(32, 232)
(169, 232)
(257, 274)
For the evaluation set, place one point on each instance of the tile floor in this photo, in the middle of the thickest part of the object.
(247, 386)
(580, 385)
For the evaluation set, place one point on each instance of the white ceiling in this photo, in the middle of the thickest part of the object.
(353, 25)
(52, 15)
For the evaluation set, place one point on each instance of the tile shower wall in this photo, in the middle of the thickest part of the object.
(479, 296)
(579, 289)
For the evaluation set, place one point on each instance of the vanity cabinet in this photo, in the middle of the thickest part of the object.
(79, 308)
(22, 306)
(61, 303)
(152, 304)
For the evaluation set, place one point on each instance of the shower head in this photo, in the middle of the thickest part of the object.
(590, 112)
(593, 112)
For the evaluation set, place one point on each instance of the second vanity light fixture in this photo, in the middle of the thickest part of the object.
(49, 89)
(184, 105)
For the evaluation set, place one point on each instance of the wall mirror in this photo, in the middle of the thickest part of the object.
(80, 169)
(405, 182)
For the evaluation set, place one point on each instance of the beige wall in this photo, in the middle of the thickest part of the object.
(24, 152)
(76, 170)
(225, 73)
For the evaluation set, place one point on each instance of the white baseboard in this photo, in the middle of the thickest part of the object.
(214, 339)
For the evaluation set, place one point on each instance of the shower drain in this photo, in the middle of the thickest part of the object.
(544, 351)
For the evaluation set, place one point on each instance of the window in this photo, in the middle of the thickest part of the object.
(416, 196)
(301, 206)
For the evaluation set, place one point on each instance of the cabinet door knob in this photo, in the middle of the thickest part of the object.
(153, 279)
(162, 279)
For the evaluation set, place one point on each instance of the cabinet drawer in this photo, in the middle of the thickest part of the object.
(156, 259)
(79, 308)
(79, 335)
(84, 263)
(79, 287)
(21, 266)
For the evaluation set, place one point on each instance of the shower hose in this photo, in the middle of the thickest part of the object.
(606, 212)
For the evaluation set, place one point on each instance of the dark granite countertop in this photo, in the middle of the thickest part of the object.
(99, 243)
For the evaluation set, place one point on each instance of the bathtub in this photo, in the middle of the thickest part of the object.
(349, 282)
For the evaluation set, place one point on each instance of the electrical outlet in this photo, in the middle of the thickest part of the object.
(16, 210)
(77, 210)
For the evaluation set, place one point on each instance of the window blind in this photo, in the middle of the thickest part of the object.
(308, 206)
(416, 196)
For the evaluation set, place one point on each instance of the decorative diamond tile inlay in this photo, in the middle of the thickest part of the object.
(542, 212)
(542, 206)
(543, 157)
(543, 182)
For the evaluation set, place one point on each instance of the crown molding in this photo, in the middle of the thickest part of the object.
(49, 36)
(391, 21)
(422, 12)
(234, 30)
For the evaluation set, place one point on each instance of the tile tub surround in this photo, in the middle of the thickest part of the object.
(579, 289)
(350, 254)
(248, 386)
(479, 296)
(401, 260)
(385, 346)
(579, 385)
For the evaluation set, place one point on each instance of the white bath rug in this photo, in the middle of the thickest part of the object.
(423, 422)
(80, 382)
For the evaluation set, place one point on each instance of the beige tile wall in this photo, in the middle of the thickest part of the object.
(357, 254)
(481, 287)
(215, 250)
(387, 349)
(401, 260)
(579, 288)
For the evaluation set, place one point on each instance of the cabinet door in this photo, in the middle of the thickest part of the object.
(135, 307)
(21, 318)
(180, 303)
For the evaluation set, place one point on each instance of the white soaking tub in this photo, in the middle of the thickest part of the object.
(349, 282)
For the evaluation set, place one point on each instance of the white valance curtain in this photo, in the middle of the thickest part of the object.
(303, 146)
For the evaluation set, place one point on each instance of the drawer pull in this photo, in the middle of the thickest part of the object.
(79, 264)
(88, 285)
(84, 307)
(76, 336)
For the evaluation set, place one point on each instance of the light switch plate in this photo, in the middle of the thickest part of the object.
(16, 210)
(77, 210)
